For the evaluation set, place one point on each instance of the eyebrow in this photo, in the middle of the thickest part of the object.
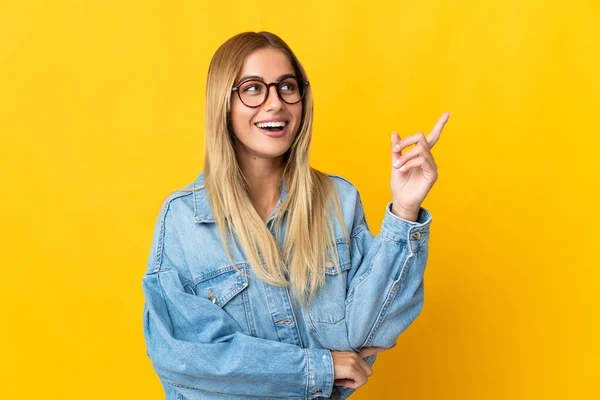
(260, 78)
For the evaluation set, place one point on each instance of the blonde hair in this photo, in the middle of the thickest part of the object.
(310, 243)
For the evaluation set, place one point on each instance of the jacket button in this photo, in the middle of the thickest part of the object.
(416, 236)
(211, 296)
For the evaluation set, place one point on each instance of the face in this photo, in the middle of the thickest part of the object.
(254, 138)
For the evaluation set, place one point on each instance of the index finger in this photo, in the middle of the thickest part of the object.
(434, 136)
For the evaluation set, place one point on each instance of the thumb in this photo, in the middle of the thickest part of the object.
(369, 351)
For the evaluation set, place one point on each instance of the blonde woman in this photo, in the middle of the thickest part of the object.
(263, 279)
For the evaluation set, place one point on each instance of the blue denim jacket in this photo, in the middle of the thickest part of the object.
(213, 333)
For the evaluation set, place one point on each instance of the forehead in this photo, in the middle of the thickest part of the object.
(267, 63)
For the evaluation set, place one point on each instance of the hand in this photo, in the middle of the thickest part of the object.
(368, 351)
(415, 172)
(349, 369)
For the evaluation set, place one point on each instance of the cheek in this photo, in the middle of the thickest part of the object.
(240, 117)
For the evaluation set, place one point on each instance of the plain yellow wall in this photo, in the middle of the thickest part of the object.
(101, 116)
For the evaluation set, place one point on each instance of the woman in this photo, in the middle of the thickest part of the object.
(263, 279)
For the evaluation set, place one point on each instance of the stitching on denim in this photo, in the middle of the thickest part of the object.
(327, 322)
(219, 271)
(349, 299)
(356, 247)
(306, 369)
(383, 310)
(390, 297)
(241, 283)
(401, 273)
(332, 375)
(294, 318)
(161, 238)
(195, 208)
(340, 240)
(179, 385)
(311, 325)
(344, 266)
(233, 292)
(248, 312)
(396, 242)
(364, 276)
(333, 273)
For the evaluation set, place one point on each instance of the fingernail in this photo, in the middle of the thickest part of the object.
(393, 133)
(402, 168)
(396, 163)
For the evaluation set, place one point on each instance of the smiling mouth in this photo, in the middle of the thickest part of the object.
(272, 126)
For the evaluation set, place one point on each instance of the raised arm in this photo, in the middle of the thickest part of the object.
(385, 291)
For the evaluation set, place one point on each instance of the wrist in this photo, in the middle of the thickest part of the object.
(409, 215)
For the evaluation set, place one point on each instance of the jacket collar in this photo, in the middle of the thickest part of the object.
(202, 213)
(202, 210)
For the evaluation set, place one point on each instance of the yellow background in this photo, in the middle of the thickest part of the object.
(101, 116)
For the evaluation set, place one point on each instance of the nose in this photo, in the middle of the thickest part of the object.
(273, 101)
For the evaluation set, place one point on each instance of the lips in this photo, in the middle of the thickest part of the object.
(273, 130)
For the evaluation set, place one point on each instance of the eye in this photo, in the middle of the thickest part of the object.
(288, 86)
(252, 88)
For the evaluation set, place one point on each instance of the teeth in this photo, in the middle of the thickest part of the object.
(271, 124)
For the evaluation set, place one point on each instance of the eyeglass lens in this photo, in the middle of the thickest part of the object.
(254, 93)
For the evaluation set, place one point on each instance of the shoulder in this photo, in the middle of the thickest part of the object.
(178, 208)
(174, 220)
(344, 186)
(351, 203)
(178, 200)
(188, 197)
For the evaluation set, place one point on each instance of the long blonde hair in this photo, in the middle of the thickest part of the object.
(310, 243)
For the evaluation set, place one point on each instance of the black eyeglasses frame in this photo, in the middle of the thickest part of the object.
(302, 88)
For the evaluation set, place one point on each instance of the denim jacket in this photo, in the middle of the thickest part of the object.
(213, 333)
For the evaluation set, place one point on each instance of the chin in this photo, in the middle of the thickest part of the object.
(269, 148)
(271, 152)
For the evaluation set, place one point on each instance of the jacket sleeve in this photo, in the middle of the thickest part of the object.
(385, 283)
(197, 347)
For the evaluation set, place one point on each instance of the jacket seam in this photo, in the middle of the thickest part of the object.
(219, 271)
(398, 243)
(294, 318)
(163, 217)
(389, 298)
(178, 385)
(365, 275)
(306, 369)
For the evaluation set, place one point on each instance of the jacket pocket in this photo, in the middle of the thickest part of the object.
(328, 304)
(225, 287)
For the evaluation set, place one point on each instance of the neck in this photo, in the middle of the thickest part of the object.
(264, 178)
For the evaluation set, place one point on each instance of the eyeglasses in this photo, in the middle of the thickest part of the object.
(255, 92)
